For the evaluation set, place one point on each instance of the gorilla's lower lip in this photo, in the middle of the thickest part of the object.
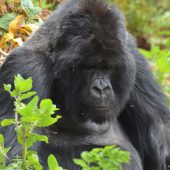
(101, 108)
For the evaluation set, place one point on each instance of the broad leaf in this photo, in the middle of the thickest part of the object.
(52, 163)
(7, 122)
(6, 19)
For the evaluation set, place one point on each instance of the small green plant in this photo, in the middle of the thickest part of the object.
(108, 158)
(3, 156)
(28, 117)
(3, 152)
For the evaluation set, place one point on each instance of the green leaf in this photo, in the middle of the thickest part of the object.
(47, 107)
(33, 11)
(30, 109)
(33, 159)
(29, 8)
(27, 95)
(166, 32)
(34, 138)
(81, 163)
(6, 19)
(1, 138)
(14, 93)
(47, 121)
(22, 85)
(26, 4)
(33, 103)
(29, 119)
(146, 53)
(155, 50)
(17, 81)
(20, 136)
(26, 85)
(7, 87)
(164, 62)
(52, 163)
(7, 122)
(109, 157)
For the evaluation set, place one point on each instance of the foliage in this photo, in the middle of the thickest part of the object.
(3, 152)
(19, 18)
(160, 64)
(37, 114)
(27, 118)
(107, 158)
(53, 164)
(143, 16)
(14, 24)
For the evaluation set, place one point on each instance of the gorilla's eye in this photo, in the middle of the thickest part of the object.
(88, 67)
(73, 69)
(108, 68)
(111, 67)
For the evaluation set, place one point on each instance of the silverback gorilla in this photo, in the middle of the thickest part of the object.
(84, 59)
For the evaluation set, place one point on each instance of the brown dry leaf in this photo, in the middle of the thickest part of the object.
(6, 38)
(27, 28)
(24, 31)
(16, 24)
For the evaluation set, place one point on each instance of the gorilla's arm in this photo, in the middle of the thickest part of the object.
(144, 115)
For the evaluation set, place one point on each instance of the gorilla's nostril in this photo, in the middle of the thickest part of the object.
(100, 88)
(107, 89)
(97, 90)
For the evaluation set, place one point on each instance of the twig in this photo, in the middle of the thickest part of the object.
(3, 53)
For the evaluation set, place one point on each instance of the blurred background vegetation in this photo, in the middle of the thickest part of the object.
(147, 20)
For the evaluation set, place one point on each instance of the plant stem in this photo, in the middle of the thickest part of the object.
(16, 121)
(24, 145)
(17, 105)
(24, 152)
(3, 154)
(39, 3)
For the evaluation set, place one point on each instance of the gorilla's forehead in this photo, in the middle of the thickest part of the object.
(91, 35)
(91, 51)
(101, 60)
(99, 27)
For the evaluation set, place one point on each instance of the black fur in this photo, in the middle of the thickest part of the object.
(84, 59)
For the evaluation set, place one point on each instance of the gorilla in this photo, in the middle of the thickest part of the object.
(87, 63)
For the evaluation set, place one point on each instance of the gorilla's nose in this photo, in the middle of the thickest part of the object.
(100, 88)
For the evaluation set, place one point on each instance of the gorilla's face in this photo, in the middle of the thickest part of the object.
(94, 84)
(94, 75)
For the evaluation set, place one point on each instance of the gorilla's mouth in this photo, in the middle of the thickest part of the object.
(93, 126)
(97, 115)
(101, 108)
(97, 107)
